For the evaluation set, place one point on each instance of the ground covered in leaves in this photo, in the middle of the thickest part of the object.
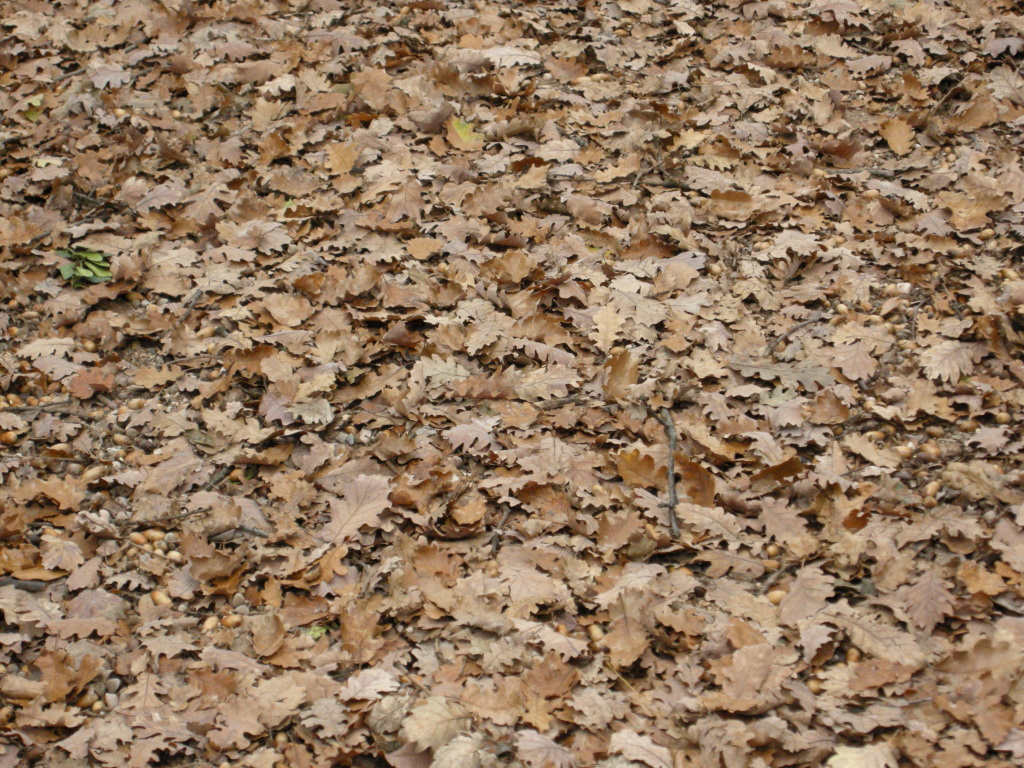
(342, 343)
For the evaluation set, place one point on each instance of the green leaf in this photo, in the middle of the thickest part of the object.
(315, 632)
(97, 269)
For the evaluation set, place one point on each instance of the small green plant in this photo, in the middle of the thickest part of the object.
(316, 631)
(84, 266)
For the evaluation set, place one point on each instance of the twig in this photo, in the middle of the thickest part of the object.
(790, 331)
(548, 405)
(66, 75)
(32, 585)
(218, 477)
(172, 518)
(229, 534)
(190, 304)
(638, 697)
(498, 530)
(882, 173)
(64, 406)
(776, 575)
(673, 500)
(946, 96)
(913, 318)
(644, 171)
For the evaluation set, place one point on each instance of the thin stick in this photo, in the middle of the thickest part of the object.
(790, 331)
(218, 477)
(63, 406)
(776, 575)
(673, 499)
(499, 530)
(644, 171)
(28, 585)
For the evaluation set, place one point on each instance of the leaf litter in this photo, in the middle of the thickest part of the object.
(354, 447)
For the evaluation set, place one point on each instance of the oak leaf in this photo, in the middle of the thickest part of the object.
(435, 722)
(538, 751)
(949, 359)
(360, 504)
(641, 748)
(898, 135)
(927, 601)
(808, 594)
(872, 756)
(872, 634)
(462, 136)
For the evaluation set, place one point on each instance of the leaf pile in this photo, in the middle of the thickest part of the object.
(356, 455)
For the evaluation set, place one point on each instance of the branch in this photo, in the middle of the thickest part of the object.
(29, 585)
(790, 331)
(665, 418)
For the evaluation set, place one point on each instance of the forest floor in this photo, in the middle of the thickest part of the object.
(547, 384)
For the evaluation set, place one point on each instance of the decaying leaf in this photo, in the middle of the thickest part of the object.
(623, 383)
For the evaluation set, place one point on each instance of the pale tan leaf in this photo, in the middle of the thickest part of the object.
(608, 324)
(807, 595)
(641, 748)
(361, 503)
(872, 756)
(873, 635)
(898, 135)
(538, 751)
(435, 722)
(927, 601)
(949, 359)
(464, 751)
